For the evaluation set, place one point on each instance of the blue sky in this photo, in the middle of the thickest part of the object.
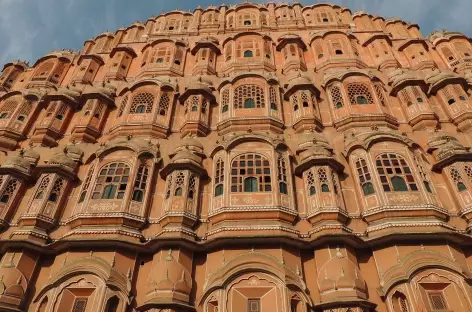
(31, 28)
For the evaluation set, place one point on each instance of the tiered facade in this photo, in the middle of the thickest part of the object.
(251, 158)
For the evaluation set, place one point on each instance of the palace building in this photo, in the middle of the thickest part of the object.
(246, 158)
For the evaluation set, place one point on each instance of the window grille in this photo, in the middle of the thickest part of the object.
(359, 94)
(364, 177)
(219, 177)
(246, 92)
(251, 172)
(142, 103)
(395, 174)
(112, 182)
(140, 183)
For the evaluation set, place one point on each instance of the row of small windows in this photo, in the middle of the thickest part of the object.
(250, 172)
(394, 173)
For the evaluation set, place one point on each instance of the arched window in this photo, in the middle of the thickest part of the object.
(248, 53)
(311, 183)
(142, 103)
(249, 92)
(336, 97)
(112, 304)
(225, 101)
(123, 103)
(219, 177)
(9, 106)
(457, 178)
(282, 175)
(273, 98)
(364, 177)
(85, 187)
(42, 187)
(164, 103)
(44, 70)
(323, 178)
(192, 182)
(249, 171)
(395, 174)
(112, 181)
(56, 190)
(359, 94)
(140, 183)
(9, 191)
(178, 191)
(294, 99)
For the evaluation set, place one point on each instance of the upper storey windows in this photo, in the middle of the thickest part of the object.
(250, 49)
(51, 69)
(352, 97)
(163, 57)
(173, 23)
(10, 74)
(133, 33)
(247, 98)
(321, 15)
(247, 17)
(454, 48)
(335, 49)
(210, 18)
(145, 109)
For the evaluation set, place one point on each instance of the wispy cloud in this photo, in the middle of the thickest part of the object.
(31, 28)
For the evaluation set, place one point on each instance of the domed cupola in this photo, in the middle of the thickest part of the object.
(303, 97)
(319, 168)
(169, 283)
(411, 90)
(13, 286)
(340, 277)
(51, 190)
(450, 90)
(61, 105)
(197, 100)
(15, 172)
(99, 101)
(183, 174)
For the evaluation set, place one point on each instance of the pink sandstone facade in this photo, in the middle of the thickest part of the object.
(252, 158)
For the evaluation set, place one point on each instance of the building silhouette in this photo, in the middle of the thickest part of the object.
(251, 158)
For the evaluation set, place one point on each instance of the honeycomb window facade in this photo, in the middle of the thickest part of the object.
(244, 157)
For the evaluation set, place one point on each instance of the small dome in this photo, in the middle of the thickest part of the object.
(192, 142)
(172, 277)
(18, 162)
(62, 160)
(340, 273)
(186, 155)
(31, 155)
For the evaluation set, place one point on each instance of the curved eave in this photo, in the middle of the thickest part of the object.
(94, 57)
(206, 44)
(406, 82)
(311, 161)
(434, 87)
(187, 165)
(375, 37)
(409, 42)
(56, 168)
(284, 41)
(126, 49)
(292, 88)
(450, 160)
(192, 91)
(16, 173)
